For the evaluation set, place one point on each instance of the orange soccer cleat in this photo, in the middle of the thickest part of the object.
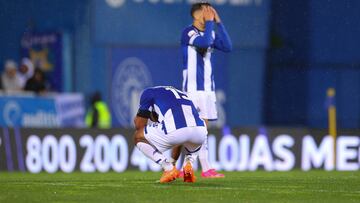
(169, 176)
(188, 171)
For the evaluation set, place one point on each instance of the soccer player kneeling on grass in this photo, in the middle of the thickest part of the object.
(174, 121)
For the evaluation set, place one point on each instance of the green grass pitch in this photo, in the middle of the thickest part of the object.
(134, 186)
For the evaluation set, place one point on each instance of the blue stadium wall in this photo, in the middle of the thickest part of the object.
(314, 45)
(286, 53)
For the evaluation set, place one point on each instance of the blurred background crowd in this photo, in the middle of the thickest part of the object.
(23, 76)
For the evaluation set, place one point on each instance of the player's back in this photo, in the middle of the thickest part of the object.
(175, 109)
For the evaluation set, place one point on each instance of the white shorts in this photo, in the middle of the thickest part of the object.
(191, 137)
(205, 103)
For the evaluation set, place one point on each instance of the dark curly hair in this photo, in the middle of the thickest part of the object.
(197, 6)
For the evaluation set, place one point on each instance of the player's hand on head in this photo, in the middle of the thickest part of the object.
(208, 14)
(216, 15)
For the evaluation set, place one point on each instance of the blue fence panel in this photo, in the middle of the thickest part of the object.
(27, 112)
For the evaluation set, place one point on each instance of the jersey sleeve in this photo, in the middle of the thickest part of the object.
(222, 40)
(188, 36)
(192, 37)
(146, 104)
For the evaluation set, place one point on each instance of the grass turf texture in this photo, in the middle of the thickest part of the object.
(134, 186)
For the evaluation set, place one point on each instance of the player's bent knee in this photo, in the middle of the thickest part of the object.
(139, 136)
(137, 140)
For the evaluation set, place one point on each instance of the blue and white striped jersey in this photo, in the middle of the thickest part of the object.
(197, 49)
(174, 108)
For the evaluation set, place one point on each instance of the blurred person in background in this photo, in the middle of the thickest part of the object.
(26, 71)
(98, 115)
(198, 42)
(11, 81)
(37, 83)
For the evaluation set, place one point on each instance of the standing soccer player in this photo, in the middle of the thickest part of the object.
(198, 43)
